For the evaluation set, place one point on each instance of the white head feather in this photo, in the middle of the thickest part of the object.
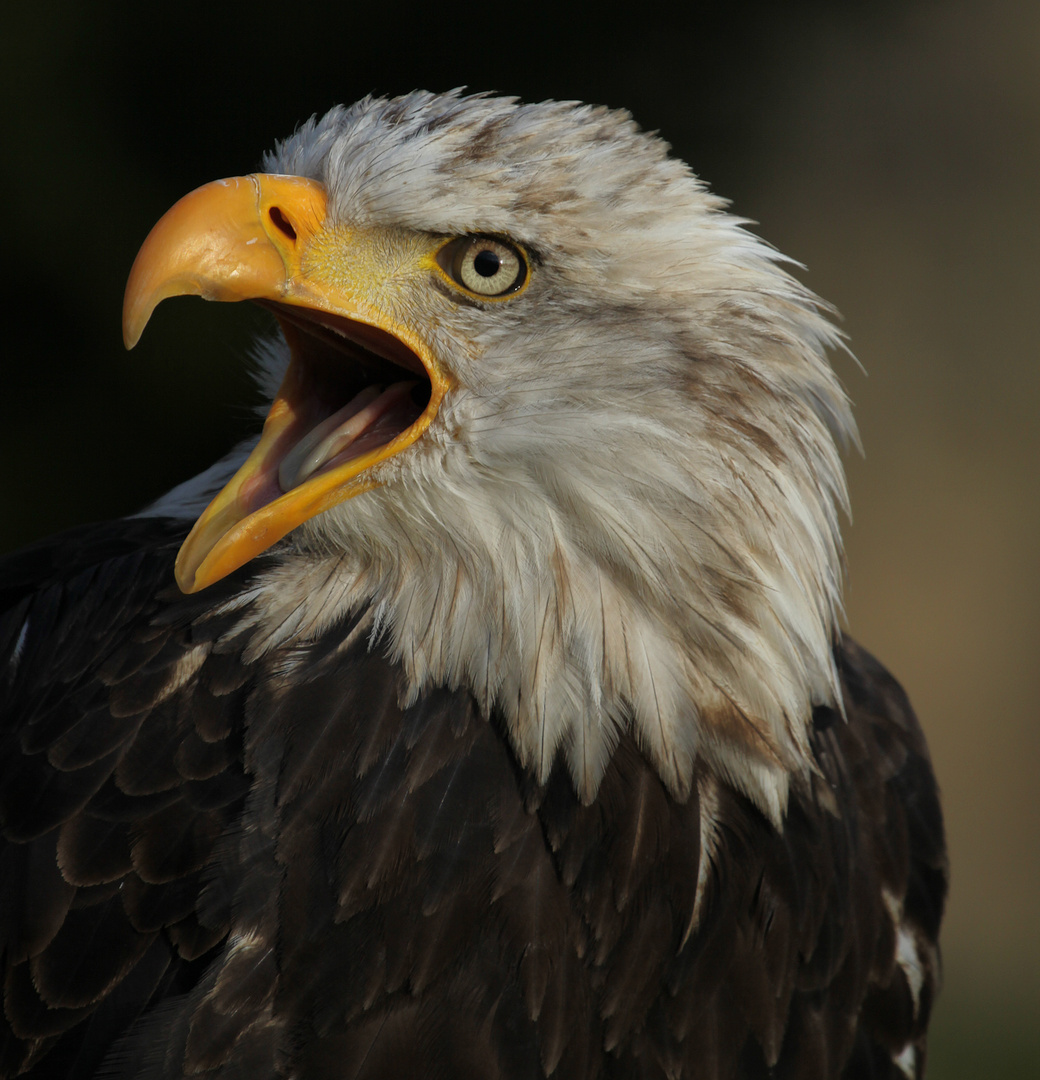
(625, 515)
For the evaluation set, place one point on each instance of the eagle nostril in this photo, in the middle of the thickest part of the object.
(281, 223)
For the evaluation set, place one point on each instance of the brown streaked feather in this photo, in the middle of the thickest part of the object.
(34, 897)
(92, 952)
(93, 851)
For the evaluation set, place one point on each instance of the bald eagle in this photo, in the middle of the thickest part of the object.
(494, 718)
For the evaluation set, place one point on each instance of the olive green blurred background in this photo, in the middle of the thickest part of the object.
(894, 149)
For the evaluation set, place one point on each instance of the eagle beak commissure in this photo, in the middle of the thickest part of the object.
(247, 238)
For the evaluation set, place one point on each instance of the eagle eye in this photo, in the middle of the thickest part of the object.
(484, 265)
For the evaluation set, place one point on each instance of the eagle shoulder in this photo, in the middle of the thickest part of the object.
(213, 861)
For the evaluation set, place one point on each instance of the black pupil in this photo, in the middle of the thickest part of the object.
(487, 263)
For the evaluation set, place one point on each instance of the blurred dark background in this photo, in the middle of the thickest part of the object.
(893, 148)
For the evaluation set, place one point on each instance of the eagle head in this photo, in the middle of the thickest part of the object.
(547, 413)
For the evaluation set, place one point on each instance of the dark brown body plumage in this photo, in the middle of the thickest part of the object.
(218, 867)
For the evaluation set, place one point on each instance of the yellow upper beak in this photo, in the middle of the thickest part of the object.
(247, 238)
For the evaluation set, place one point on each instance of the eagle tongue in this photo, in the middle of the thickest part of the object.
(337, 432)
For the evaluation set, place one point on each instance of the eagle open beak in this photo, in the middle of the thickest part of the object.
(350, 397)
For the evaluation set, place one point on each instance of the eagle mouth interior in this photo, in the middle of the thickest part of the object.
(356, 389)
